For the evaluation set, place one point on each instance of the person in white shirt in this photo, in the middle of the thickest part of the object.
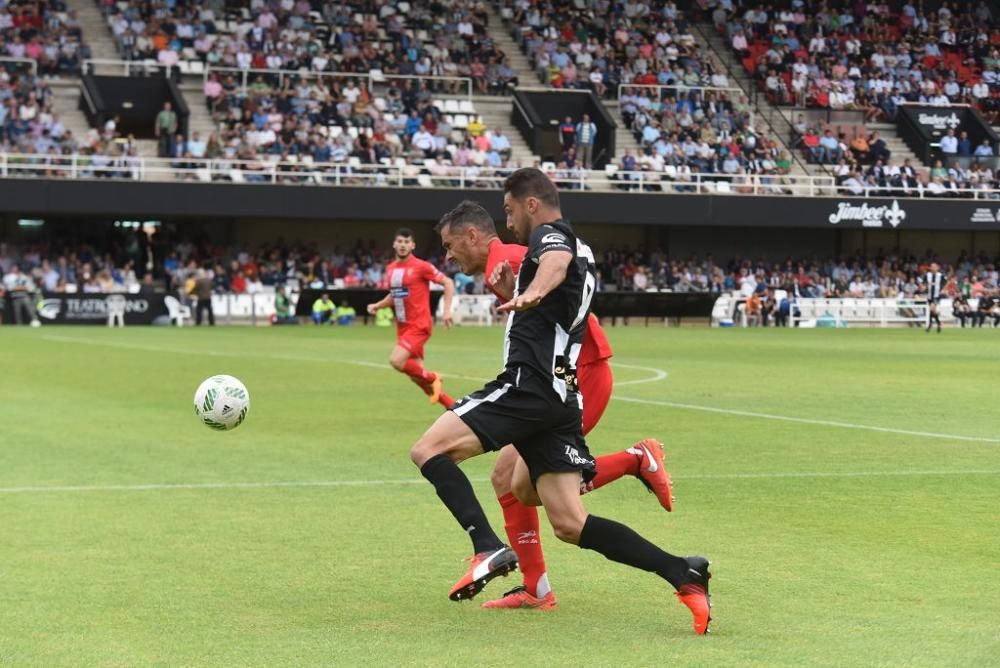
(936, 187)
(949, 143)
(351, 93)
(243, 59)
(424, 141)
(740, 41)
(196, 146)
(853, 185)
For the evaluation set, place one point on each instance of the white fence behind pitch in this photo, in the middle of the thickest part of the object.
(466, 309)
(872, 312)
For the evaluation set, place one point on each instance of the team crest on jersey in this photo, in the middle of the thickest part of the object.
(553, 238)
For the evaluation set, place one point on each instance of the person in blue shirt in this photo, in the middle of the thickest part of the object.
(964, 145)
(323, 152)
(984, 150)
(260, 118)
(412, 123)
(463, 283)
(628, 161)
(586, 133)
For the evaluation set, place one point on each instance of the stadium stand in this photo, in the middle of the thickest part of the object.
(871, 56)
(40, 144)
(46, 32)
(869, 59)
(421, 39)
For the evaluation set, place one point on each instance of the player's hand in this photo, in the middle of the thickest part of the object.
(447, 321)
(372, 309)
(502, 279)
(520, 303)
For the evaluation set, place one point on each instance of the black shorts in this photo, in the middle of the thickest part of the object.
(521, 408)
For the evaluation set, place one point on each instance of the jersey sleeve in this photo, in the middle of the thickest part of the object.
(546, 238)
(432, 273)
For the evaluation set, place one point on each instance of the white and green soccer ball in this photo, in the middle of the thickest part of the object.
(222, 403)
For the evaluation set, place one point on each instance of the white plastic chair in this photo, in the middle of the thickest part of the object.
(176, 311)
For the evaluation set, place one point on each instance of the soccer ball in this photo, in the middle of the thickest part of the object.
(222, 402)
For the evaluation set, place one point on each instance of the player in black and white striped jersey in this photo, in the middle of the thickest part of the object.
(934, 282)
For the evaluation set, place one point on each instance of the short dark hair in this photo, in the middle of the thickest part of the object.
(468, 214)
(404, 232)
(531, 182)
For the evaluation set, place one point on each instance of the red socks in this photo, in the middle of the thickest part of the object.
(416, 371)
(425, 380)
(521, 523)
(612, 467)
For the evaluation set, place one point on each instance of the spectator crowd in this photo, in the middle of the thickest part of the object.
(338, 119)
(31, 129)
(869, 56)
(886, 275)
(134, 262)
(45, 31)
(403, 38)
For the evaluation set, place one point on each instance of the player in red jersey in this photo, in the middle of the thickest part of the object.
(409, 280)
(469, 236)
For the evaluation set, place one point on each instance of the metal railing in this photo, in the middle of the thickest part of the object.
(461, 86)
(128, 67)
(373, 78)
(305, 171)
(30, 63)
(729, 91)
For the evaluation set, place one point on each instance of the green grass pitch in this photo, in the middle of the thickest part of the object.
(863, 532)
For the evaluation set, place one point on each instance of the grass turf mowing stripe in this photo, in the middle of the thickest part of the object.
(416, 481)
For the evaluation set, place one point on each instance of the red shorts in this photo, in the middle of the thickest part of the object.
(413, 340)
(596, 384)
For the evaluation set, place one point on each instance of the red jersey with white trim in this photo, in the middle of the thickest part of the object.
(409, 283)
(595, 346)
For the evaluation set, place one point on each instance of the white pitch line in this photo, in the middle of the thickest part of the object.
(279, 484)
(658, 374)
(212, 485)
(822, 423)
(654, 402)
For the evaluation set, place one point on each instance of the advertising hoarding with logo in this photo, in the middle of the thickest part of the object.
(92, 309)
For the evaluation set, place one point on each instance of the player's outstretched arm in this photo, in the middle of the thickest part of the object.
(551, 273)
(449, 293)
(380, 304)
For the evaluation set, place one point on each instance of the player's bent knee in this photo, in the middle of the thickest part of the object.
(524, 491)
(500, 479)
(447, 436)
(567, 529)
(397, 363)
(503, 471)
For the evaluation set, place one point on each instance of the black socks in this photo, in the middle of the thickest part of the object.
(619, 543)
(455, 491)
